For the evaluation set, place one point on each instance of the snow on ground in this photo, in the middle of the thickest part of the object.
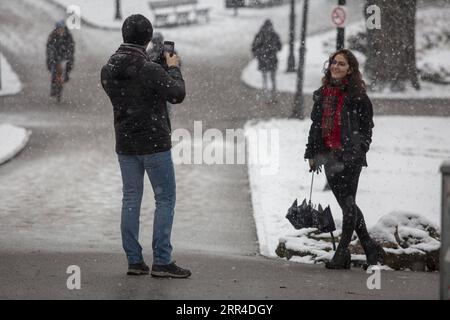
(10, 83)
(12, 140)
(101, 13)
(320, 46)
(403, 174)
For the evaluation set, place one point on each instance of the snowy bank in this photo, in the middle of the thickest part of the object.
(410, 241)
(10, 83)
(403, 175)
(12, 140)
(101, 13)
(320, 46)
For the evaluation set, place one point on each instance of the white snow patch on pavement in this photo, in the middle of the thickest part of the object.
(10, 83)
(12, 140)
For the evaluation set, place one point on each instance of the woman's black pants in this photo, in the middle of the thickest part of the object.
(343, 180)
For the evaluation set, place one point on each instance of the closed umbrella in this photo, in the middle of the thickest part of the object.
(306, 216)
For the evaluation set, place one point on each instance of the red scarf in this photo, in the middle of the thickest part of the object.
(333, 101)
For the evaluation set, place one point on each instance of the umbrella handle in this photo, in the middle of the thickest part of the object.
(310, 192)
(334, 243)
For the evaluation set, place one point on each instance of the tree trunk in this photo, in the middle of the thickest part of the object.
(391, 54)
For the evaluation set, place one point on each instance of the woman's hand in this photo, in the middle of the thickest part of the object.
(311, 163)
(313, 167)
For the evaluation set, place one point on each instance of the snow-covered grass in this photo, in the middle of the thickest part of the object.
(9, 79)
(402, 176)
(12, 140)
(320, 46)
(101, 13)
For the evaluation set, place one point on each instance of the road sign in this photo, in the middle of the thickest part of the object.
(339, 16)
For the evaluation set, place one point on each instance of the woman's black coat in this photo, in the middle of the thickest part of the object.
(60, 48)
(265, 47)
(356, 128)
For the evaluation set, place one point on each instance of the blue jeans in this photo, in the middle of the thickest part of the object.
(159, 168)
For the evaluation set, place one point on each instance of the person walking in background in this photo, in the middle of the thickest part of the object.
(139, 89)
(339, 138)
(60, 58)
(156, 50)
(265, 47)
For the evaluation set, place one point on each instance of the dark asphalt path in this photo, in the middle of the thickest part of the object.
(43, 275)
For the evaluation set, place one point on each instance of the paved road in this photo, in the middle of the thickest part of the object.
(215, 276)
(61, 196)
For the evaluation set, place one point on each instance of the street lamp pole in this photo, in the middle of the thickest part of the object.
(118, 12)
(291, 58)
(298, 99)
(0, 71)
(340, 38)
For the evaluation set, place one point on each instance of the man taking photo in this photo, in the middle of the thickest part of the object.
(139, 90)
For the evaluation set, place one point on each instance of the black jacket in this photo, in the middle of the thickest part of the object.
(356, 128)
(60, 48)
(139, 90)
(265, 47)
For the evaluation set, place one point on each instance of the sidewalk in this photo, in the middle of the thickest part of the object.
(41, 275)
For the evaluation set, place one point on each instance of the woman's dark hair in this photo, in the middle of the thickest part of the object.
(356, 84)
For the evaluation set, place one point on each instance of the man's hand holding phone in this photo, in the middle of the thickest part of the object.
(172, 59)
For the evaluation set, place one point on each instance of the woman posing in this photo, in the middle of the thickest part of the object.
(339, 139)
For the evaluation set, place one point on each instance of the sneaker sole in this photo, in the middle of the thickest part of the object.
(137, 273)
(162, 274)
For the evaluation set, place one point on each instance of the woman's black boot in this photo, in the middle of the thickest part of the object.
(341, 260)
(375, 254)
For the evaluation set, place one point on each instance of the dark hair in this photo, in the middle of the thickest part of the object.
(137, 29)
(356, 84)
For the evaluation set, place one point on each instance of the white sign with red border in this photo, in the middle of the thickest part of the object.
(338, 16)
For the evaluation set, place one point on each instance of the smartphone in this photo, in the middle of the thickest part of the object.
(169, 46)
